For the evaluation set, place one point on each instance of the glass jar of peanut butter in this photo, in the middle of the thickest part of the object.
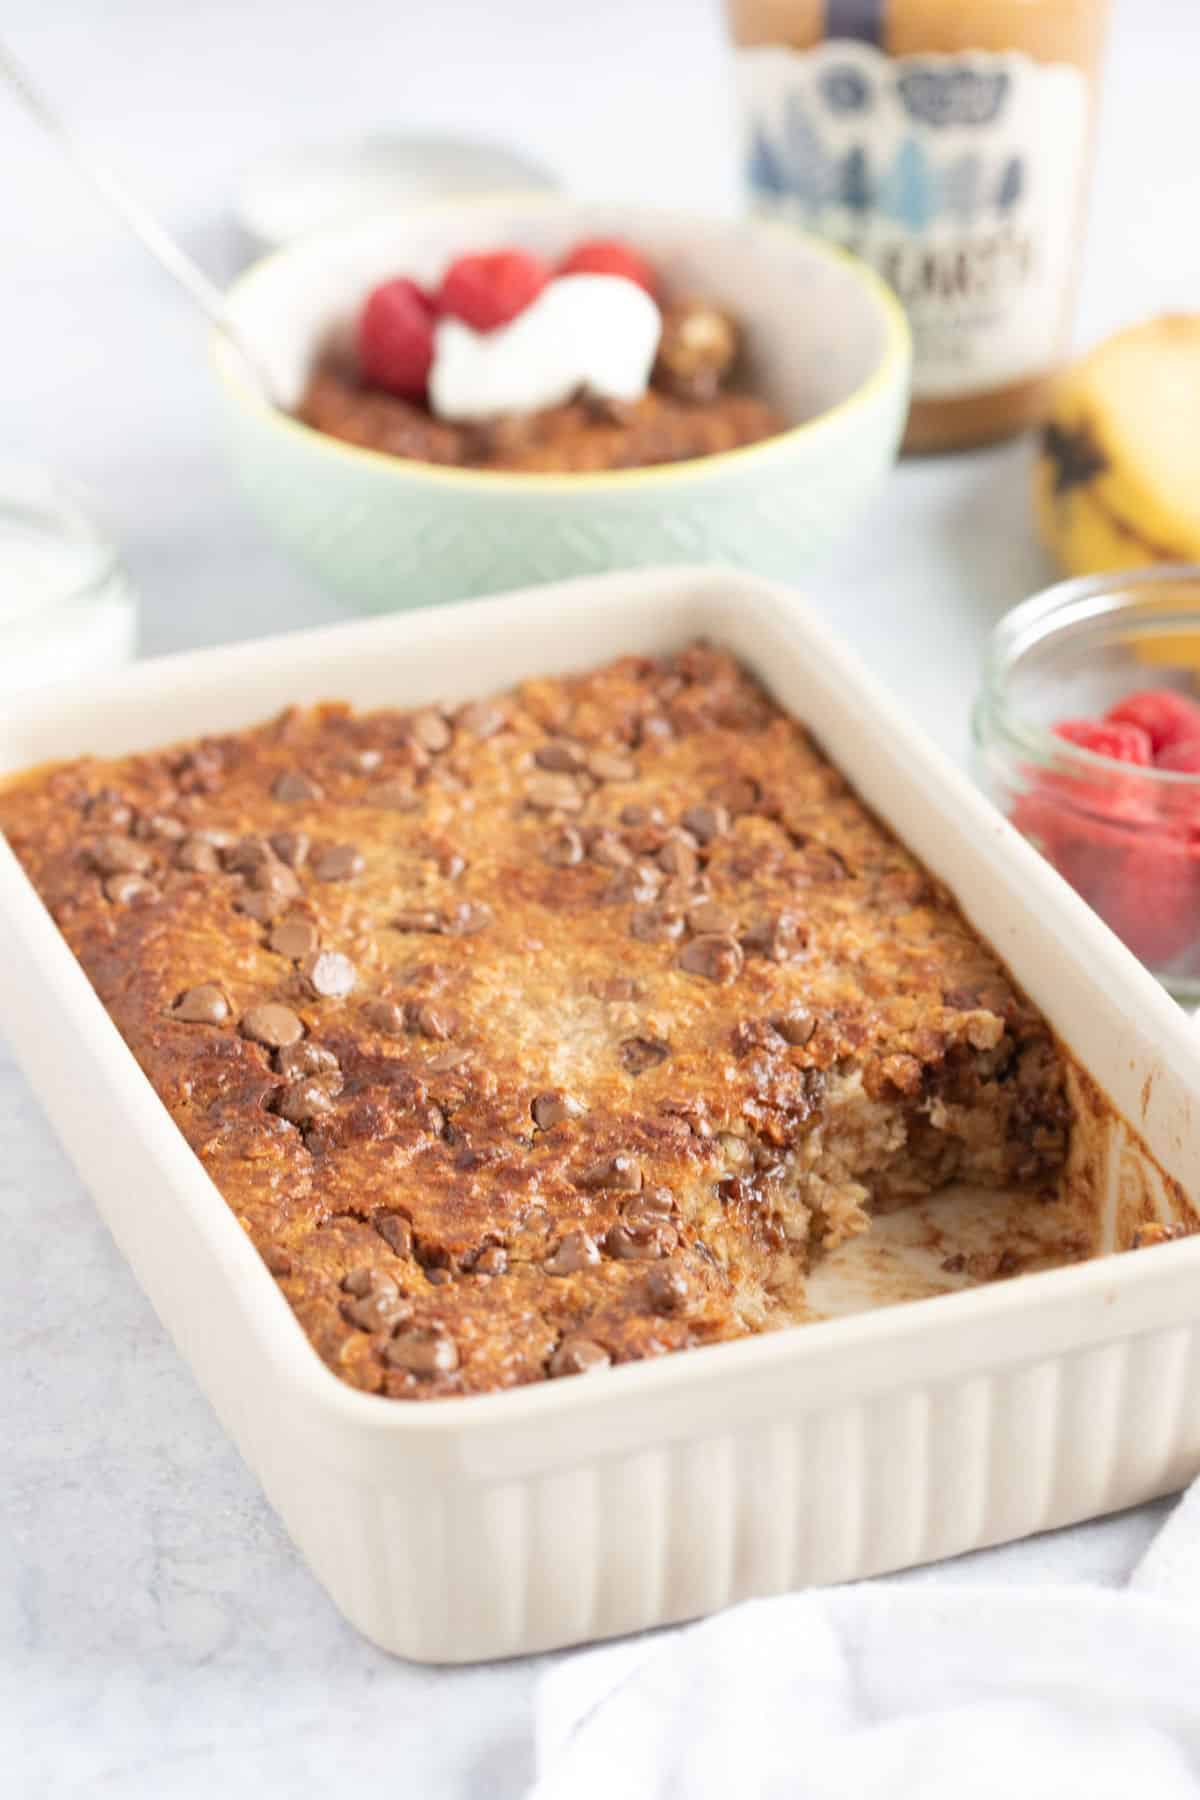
(948, 142)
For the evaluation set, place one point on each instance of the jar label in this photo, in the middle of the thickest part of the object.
(959, 178)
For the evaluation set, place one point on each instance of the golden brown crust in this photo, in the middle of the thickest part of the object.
(556, 1031)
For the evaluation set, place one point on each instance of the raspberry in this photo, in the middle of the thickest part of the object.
(1161, 713)
(608, 256)
(489, 289)
(1180, 800)
(1123, 742)
(1182, 757)
(395, 338)
(1152, 900)
(1145, 887)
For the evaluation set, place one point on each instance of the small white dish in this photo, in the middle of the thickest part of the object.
(314, 186)
(66, 607)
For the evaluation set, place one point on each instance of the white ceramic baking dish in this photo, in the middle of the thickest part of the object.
(578, 1509)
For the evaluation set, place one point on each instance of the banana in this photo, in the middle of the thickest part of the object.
(1116, 484)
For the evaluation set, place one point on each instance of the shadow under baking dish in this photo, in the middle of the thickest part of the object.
(887, 1435)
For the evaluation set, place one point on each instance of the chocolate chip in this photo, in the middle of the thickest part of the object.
(291, 847)
(387, 1018)
(338, 863)
(119, 855)
(162, 825)
(377, 1312)
(126, 889)
(448, 1059)
(561, 756)
(639, 1054)
(329, 974)
(467, 918)
(423, 1352)
(706, 822)
(307, 1058)
(678, 855)
(554, 1108)
(295, 937)
(652, 1203)
(203, 1005)
(360, 762)
(263, 907)
(303, 1101)
(294, 788)
(450, 863)
(640, 884)
(609, 765)
(429, 729)
(199, 771)
(656, 924)
(376, 1303)
(369, 1278)
(396, 1231)
(565, 848)
(573, 1252)
(715, 955)
(416, 920)
(796, 1026)
(431, 1022)
(740, 794)
(246, 855)
(666, 1289)
(637, 814)
(108, 811)
(273, 1025)
(780, 938)
(394, 796)
(547, 791)
(492, 1261)
(610, 851)
(579, 1356)
(277, 1260)
(275, 878)
(481, 718)
(707, 917)
(198, 855)
(622, 1172)
(641, 1240)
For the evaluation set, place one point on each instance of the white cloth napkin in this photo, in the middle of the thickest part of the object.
(934, 1690)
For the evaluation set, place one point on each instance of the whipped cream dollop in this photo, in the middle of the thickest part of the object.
(598, 332)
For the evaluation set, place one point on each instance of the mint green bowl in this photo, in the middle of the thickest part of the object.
(827, 341)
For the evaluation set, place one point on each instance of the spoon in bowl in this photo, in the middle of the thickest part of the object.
(167, 252)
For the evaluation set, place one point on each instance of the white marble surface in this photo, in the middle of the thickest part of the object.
(157, 1634)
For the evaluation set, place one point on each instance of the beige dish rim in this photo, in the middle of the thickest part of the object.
(893, 363)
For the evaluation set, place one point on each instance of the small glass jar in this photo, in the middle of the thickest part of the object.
(1127, 838)
(949, 142)
(66, 606)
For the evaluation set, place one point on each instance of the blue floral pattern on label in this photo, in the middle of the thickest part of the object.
(958, 177)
